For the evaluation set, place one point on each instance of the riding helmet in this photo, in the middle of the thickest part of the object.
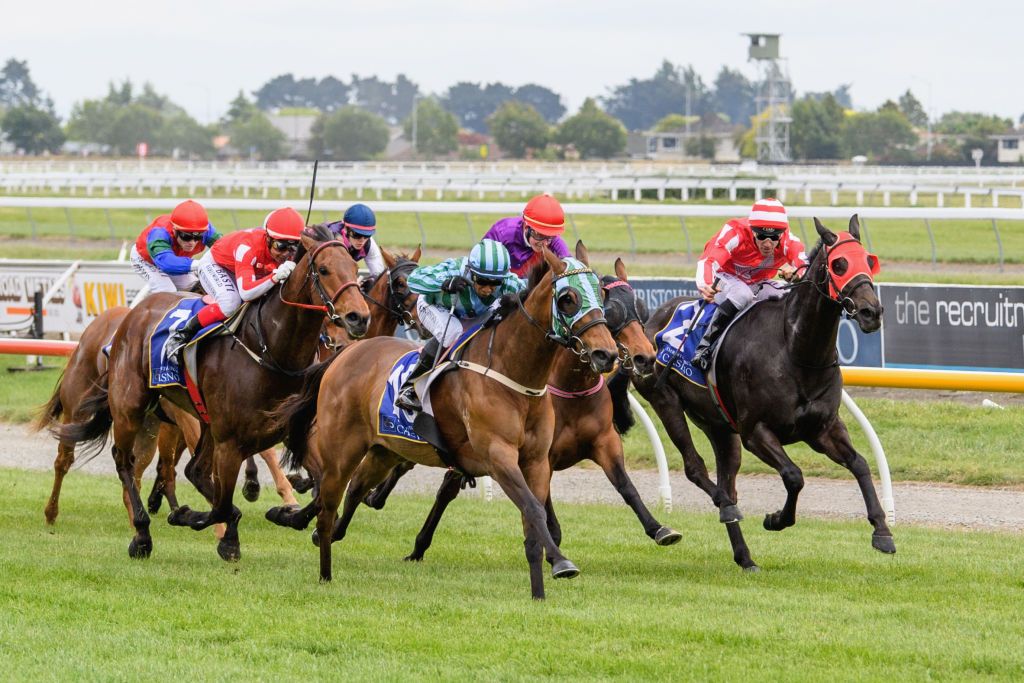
(768, 213)
(284, 224)
(544, 214)
(359, 219)
(489, 259)
(189, 216)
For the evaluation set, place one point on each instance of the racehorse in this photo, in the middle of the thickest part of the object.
(583, 419)
(777, 375)
(238, 376)
(493, 413)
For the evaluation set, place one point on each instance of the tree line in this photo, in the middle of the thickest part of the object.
(353, 120)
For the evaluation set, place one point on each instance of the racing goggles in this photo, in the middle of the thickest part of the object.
(773, 234)
(487, 281)
(532, 234)
(290, 246)
(191, 236)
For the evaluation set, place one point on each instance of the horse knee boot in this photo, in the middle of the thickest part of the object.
(407, 398)
(719, 321)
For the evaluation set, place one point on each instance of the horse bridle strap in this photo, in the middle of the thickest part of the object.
(311, 274)
(500, 378)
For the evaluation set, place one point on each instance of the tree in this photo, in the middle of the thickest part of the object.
(840, 94)
(32, 129)
(879, 134)
(547, 102)
(91, 121)
(734, 95)
(239, 110)
(703, 146)
(913, 110)
(436, 129)
(350, 134)
(815, 129)
(134, 124)
(182, 132)
(16, 85)
(518, 127)
(390, 101)
(257, 137)
(641, 103)
(592, 132)
(472, 104)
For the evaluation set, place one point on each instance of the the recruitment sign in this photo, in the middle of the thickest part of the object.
(953, 326)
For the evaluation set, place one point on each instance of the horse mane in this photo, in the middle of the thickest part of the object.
(510, 302)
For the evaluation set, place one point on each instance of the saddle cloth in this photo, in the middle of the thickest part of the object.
(667, 340)
(162, 372)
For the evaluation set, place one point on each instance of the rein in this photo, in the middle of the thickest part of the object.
(396, 306)
(311, 275)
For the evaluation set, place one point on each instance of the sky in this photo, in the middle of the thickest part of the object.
(952, 55)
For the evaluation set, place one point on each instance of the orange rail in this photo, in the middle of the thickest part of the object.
(37, 347)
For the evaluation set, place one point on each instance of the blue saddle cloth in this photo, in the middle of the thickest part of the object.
(666, 341)
(162, 372)
(393, 421)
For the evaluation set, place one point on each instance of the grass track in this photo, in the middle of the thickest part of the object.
(826, 607)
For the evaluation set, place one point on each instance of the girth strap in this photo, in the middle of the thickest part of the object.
(498, 377)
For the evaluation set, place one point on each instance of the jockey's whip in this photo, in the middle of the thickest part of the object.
(312, 186)
(675, 354)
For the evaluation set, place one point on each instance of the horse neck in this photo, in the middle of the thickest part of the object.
(570, 374)
(382, 321)
(524, 352)
(290, 331)
(812, 324)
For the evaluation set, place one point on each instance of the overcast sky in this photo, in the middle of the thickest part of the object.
(952, 54)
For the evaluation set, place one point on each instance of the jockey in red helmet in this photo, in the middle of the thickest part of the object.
(162, 253)
(542, 223)
(243, 266)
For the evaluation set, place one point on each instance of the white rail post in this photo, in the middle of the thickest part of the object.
(664, 484)
(876, 448)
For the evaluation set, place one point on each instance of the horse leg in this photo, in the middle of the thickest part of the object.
(281, 483)
(728, 456)
(765, 445)
(251, 485)
(145, 450)
(379, 495)
(835, 443)
(170, 446)
(370, 472)
(338, 468)
(125, 429)
(61, 466)
(607, 452)
(446, 493)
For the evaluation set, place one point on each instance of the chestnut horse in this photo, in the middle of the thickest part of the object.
(493, 413)
(239, 376)
(778, 377)
(583, 420)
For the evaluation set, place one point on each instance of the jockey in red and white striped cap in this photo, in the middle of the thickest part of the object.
(746, 252)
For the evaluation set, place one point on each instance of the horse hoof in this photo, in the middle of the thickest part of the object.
(752, 569)
(729, 514)
(153, 505)
(771, 522)
(299, 483)
(251, 490)
(667, 536)
(277, 515)
(229, 552)
(316, 538)
(413, 558)
(179, 516)
(564, 570)
(884, 544)
(140, 549)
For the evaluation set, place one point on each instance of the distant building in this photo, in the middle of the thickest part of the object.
(1010, 147)
(297, 130)
(672, 145)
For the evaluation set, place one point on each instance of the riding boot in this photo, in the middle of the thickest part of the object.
(725, 312)
(179, 338)
(407, 398)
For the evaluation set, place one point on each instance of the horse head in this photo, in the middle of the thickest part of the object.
(842, 264)
(575, 317)
(326, 277)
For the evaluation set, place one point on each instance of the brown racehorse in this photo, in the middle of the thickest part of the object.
(239, 377)
(583, 419)
(498, 424)
(779, 380)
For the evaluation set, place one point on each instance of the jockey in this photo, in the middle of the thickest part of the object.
(356, 230)
(453, 291)
(242, 266)
(542, 223)
(744, 257)
(162, 253)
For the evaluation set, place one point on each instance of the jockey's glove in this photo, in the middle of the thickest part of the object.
(194, 266)
(455, 285)
(282, 272)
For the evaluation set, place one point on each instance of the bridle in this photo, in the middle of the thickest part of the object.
(857, 274)
(630, 313)
(314, 277)
(571, 339)
(395, 305)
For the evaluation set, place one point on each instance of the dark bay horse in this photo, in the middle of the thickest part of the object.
(498, 424)
(583, 420)
(778, 378)
(239, 376)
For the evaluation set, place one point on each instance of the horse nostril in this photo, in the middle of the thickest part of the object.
(603, 360)
(643, 363)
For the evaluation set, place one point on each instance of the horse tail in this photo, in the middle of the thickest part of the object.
(622, 413)
(295, 414)
(93, 422)
(50, 412)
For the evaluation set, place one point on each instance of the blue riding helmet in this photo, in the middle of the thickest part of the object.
(359, 218)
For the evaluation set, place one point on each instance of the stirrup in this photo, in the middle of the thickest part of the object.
(408, 400)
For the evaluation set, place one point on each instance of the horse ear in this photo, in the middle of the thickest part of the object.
(416, 254)
(389, 260)
(855, 227)
(620, 269)
(556, 264)
(827, 235)
(581, 252)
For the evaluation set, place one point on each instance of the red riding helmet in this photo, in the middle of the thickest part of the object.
(189, 216)
(284, 224)
(544, 214)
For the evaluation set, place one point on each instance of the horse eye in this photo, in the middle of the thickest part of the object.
(839, 266)
(568, 304)
(323, 270)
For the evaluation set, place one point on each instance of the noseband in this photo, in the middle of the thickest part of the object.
(311, 275)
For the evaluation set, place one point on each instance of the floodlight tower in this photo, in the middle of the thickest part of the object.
(772, 98)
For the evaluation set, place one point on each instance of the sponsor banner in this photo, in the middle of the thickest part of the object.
(94, 287)
(960, 327)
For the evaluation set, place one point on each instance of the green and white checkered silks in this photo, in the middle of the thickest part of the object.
(489, 259)
(579, 277)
